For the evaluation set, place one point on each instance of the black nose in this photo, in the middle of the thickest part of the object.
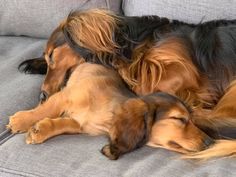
(43, 96)
(207, 142)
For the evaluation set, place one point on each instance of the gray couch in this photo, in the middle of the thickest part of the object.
(24, 27)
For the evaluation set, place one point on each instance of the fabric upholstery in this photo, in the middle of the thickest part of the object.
(79, 156)
(39, 18)
(18, 91)
(185, 10)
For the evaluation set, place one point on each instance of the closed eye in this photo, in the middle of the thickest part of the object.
(51, 57)
(181, 119)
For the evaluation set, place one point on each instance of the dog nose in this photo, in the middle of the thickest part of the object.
(207, 142)
(43, 96)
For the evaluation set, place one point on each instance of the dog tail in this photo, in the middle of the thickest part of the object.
(221, 148)
(215, 123)
(223, 114)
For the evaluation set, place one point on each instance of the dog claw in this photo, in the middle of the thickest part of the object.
(35, 130)
(8, 126)
(106, 150)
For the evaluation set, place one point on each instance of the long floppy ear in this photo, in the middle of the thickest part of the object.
(33, 66)
(131, 129)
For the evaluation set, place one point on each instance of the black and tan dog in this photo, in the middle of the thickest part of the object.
(181, 59)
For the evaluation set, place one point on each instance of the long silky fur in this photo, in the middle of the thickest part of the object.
(93, 29)
(107, 35)
(221, 148)
(223, 114)
(151, 64)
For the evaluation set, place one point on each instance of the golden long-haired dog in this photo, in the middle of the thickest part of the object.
(96, 101)
(155, 54)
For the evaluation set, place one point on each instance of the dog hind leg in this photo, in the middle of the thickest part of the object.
(47, 128)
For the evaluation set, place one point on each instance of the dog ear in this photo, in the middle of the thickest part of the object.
(131, 129)
(33, 66)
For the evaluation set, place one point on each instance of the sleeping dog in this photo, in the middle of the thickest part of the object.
(96, 101)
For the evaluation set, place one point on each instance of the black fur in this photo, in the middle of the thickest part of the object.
(39, 65)
(83, 52)
(33, 66)
(212, 44)
(214, 48)
(132, 31)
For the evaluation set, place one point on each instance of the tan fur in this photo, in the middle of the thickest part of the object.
(84, 27)
(51, 127)
(64, 58)
(222, 148)
(184, 136)
(95, 101)
(223, 114)
(166, 67)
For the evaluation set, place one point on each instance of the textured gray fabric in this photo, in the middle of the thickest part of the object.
(17, 91)
(78, 155)
(39, 18)
(185, 10)
(75, 155)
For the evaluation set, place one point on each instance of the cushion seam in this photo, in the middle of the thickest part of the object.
(17, 172)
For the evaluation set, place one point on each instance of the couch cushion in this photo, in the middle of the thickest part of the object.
(78, 155)
(17, 90)
(185, 10)
(39, 18)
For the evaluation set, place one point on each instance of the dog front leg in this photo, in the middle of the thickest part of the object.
(21, 121)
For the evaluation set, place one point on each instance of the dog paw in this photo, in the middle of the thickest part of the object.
(39, 132)
(106, 150)
(19, 122)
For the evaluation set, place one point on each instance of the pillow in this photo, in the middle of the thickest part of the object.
(185, 10)
(39, 18)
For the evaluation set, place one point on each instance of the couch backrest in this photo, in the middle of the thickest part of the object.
(38, 18)
(193, 11)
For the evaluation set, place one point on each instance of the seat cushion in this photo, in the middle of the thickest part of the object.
(78, 155)
(184, 10)
(39, 18)
(18, 91)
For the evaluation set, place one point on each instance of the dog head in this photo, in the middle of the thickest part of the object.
(158, 120)
(173, 127)
(61, 60)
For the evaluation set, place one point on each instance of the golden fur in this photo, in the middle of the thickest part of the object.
(64, 59)
(84, 27)
(221, 148)
(96, 101)
(156, 66)
(167, 67)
